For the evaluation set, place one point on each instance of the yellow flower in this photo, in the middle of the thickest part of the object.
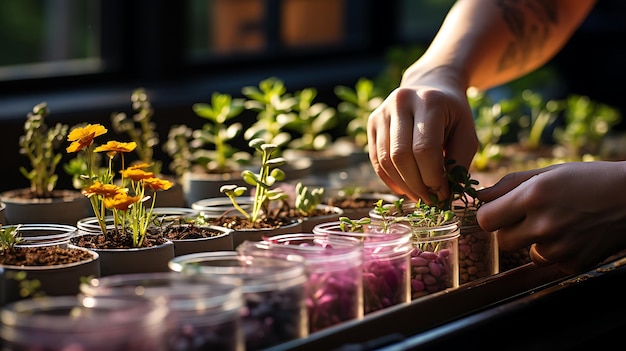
(136, 174)
(121, 201)
(115, 147)
(140, 166)
(158, 183)
(125, 202)
(104, 190)
(83, 137)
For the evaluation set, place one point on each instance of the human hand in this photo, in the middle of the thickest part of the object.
(414, 131)
(574, 212)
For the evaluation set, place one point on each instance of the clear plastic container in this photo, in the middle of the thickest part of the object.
(478, 249)
(273, 291)
(386, 262)
(204, 312)
(334, 290)
(434, 259)
(62, 323)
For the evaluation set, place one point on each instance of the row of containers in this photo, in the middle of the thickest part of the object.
(262, 294)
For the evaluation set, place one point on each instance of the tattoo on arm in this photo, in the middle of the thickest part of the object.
(530, 22)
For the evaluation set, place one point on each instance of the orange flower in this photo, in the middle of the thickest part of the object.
(105, 190)
(139, 166)
(136, 174)
(121, 201)
(158, 183)
(113, 147)
(83, 137)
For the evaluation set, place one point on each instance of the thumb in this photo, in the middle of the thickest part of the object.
(506, 184)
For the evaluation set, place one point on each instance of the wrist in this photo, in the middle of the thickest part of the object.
(437, 75)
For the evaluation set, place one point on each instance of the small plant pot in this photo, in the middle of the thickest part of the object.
(359, 206)
(273, 290)
(60, 323)
(204, 312)
(386, 262)
(434, 259)
(322, 162)
(332, 213)
(127, 260)
(251, 234)
(198, 186)
(57, 271)
(334, 266)
(66, 207)
(478, 249)
(220, 205)
(189, 237)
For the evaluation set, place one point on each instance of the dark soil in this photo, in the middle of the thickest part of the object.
(284, 216)
(182, 232)
(155, 236)
(237, 222)
(351, 203)
(117, 239)
(42, 256)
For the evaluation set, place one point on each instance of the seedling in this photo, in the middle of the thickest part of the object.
(268, 175)
(307, 199)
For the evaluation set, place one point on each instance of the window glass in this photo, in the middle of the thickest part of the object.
(231, 27)
(49, 37)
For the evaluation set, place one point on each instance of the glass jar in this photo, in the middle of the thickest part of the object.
(204, 312)
(386, 262)
(478, 249)
(273, 293)
(334, 290)
(61, 323)
(434, 259)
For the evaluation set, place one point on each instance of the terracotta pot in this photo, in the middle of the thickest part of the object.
(67, 207)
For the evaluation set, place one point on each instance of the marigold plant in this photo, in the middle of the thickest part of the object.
(125, 199)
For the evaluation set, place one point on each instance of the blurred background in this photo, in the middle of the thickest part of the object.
(84, 57)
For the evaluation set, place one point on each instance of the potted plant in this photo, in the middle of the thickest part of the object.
(272, 104)
(478, 249)
(259, 218)
(275, 109)
(123, 213)
(357, 103)
(206, 158)
(42, 202)
(189, 231)
(37, 260)
(310, 208)
(310, 123)
(140, 128)
(357, 202)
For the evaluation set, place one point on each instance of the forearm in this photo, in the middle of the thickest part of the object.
(485, 43)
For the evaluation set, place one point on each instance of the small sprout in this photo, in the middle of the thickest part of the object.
(264, 180)
(353, 226)
(307, 200)
(9, 237)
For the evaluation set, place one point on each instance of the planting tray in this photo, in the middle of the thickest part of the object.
(525, 308)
